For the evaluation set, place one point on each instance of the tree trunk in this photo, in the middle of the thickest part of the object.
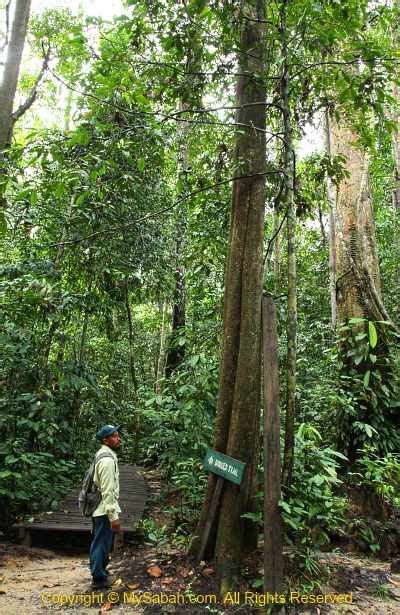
(291, 324)
(161, 355)
(132, 370)
(396, 154)
(12, 65)
(273, 541)
(277, 251)
(176, 345)
(358, 286)
(237, 420)
(396, 133)
(332, 214)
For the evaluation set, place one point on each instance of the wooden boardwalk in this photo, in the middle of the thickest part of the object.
(68, 518)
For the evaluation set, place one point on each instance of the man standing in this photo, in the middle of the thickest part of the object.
(106, 515)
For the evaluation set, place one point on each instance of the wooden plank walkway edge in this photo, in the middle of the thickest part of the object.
(133, 496)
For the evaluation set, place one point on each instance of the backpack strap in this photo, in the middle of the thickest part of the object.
(102, 456)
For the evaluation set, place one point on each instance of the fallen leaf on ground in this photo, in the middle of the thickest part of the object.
(106, 607)
(133, 585)
(117, 583)
(184, 572)
(154, 571)
(207, 572)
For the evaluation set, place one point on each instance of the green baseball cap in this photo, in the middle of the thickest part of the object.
(107, 430)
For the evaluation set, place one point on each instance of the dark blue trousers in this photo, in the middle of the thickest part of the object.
(100, 547)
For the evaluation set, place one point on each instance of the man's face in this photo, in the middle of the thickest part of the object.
(113, 441)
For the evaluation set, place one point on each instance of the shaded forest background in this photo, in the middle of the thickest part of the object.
(116, 187)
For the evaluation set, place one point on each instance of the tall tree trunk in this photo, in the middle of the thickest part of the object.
(12, 65)
(291, 324)
(396, 155)
(132, 370)
(396, 133)
(332, 214)
(237, 421)
(161, 354)
(358, 283)
(277, 251)
(273, 539)
(176, 345)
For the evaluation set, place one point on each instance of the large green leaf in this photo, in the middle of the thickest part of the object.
(373, 335)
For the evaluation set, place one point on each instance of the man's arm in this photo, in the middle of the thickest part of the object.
(106, 474)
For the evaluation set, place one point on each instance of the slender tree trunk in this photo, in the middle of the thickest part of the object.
(12, 65)
(176, 345)
(82, 343)
(161, 355)
(277, 251)
(237, 420)
(291, 325)
(132, 370)
(332, 214)
(273, 540)
(396, 133)
(396, 155)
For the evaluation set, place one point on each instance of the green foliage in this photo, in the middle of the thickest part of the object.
(310, 508)
(382, 591)
(382, 474)
(31, 481)
(155, 534)
(367, 404)
(177, 425)
(368, 536)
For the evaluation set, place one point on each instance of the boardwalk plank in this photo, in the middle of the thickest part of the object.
(133, 496)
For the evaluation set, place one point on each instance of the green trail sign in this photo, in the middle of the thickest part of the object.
(224, 466)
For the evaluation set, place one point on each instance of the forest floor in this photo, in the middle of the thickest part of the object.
(37, 580)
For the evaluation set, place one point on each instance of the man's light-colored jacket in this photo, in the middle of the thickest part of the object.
(106, 477)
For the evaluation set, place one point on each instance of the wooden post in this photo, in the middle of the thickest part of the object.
(24, 536)
(211, 517)
(118, 542)
(273, 547)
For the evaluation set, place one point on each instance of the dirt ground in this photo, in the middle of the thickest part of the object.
(42, 581)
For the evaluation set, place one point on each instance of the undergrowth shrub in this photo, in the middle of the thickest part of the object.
(379, 474)
(311, 509)
(176, 429)
(367, 404)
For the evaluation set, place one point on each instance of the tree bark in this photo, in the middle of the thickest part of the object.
(291, 324)
(332, 214)
(396, 153)
(132, 369)
(12, 65)
(237, 420)
(161, 354)
(355, 231)
(396, 133)
(176, 346)
(273, 541)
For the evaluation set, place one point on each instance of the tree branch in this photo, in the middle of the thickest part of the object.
(7, 10)
(120, 227)
(28, 102)
(165, 117)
